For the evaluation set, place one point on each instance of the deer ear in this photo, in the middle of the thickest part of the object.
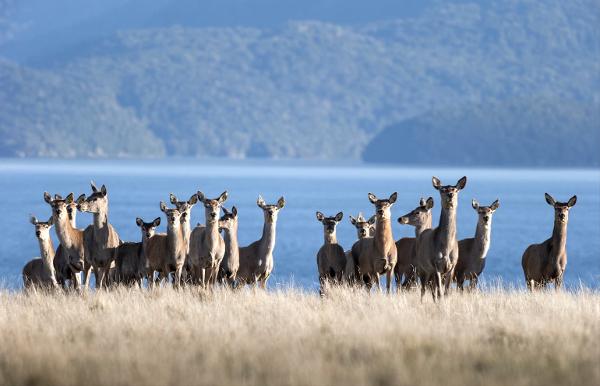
(47, 197)
(223, 197)
(234, 211)
(57, 196)
(156, 222)
(103, 190)
(429, 203)
(139, 221)
(339, 216)
(80, 199)
(260, 201)
(51, 221)
(461, 183)
(474, 204)
(352, 220)
(225, 210)
(422, 202)
(572, 201)
(436, 182)
(33, 219)
(200, 196)
(393, 197)
(93, 185)
(372, 220)
(69, 198)
(495, 205)
(281, 202)
(549, 199)
(163, 207)
(372, 198)
(193, 200)
(320, 216)
(172, 198)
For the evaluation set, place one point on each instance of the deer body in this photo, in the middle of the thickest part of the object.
(207, 247)
(437, 249)
(256, 260)
(231, 260)
(546, 262)
(331, 258)
(405, 268)
(71, 239)
(63, 271)
(101, 240)
(378, 255)
(40, 272)
(473, 251)
(131, 259)
(365, 229)
(186, 220)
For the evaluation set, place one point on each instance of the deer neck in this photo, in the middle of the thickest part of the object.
(447, 226)
(212, 231)
(559, 239)
(422, 227)
(72, 219)
(230, 238)
(330, 238)
(175, 235)
(482, 239)
(383, 234)
(101, 219)
(46, 251)
(65, 232)
(267, 241)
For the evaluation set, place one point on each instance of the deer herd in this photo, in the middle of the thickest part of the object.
(209, 254)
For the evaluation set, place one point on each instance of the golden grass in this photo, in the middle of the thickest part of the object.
(290, 337)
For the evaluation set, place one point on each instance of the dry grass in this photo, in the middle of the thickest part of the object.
(294, 338)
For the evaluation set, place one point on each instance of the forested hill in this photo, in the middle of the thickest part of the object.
(517, 133)
(308, 89)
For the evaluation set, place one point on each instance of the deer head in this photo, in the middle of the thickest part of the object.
(60, 207)
(148, 228)
(383, 207)
(561, 209)
(485, 212)
(449, 193)
(185, 215)
(97, 202)
(212, 207)
(364, 228)
(270, 211)
(420, 215)
(42, 229)
(229, 220)
(173, 215)
(329, 223)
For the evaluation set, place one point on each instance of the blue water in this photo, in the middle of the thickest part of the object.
(136, 187)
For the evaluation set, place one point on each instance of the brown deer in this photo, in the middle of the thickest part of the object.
(40, 272)
(65, 276)
(331, 258)
(472, 252)
(207, 247)
(186, 219)
(176, 247)
(377, 255)
(546, 262)
(364, 229)
(231, 261)
(437, 249)
(131, 259)
(420, 218)
(101, 240)
(71, 239)
(256, 260)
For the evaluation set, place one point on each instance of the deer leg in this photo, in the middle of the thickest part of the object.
(558, 283)
(177, 278)
(388, 280)
(424, 281)
(438, 285)
(473, 283)
(377, 282)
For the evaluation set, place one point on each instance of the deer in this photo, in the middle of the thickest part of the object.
(39, 272)
(207, 247)
(186, 218)
(437, 249)
(228, 223)
(546, 262)
(71, 239)
(420, 218)
(331, 258)
(377, 255)
(473, 251)
(64, 274)
(256, 260)
(364, 229)
(131, 259)
(101, 239)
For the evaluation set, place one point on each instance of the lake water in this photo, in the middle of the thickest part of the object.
(136, 187)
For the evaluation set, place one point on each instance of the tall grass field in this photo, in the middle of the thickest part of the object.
(290, 337)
